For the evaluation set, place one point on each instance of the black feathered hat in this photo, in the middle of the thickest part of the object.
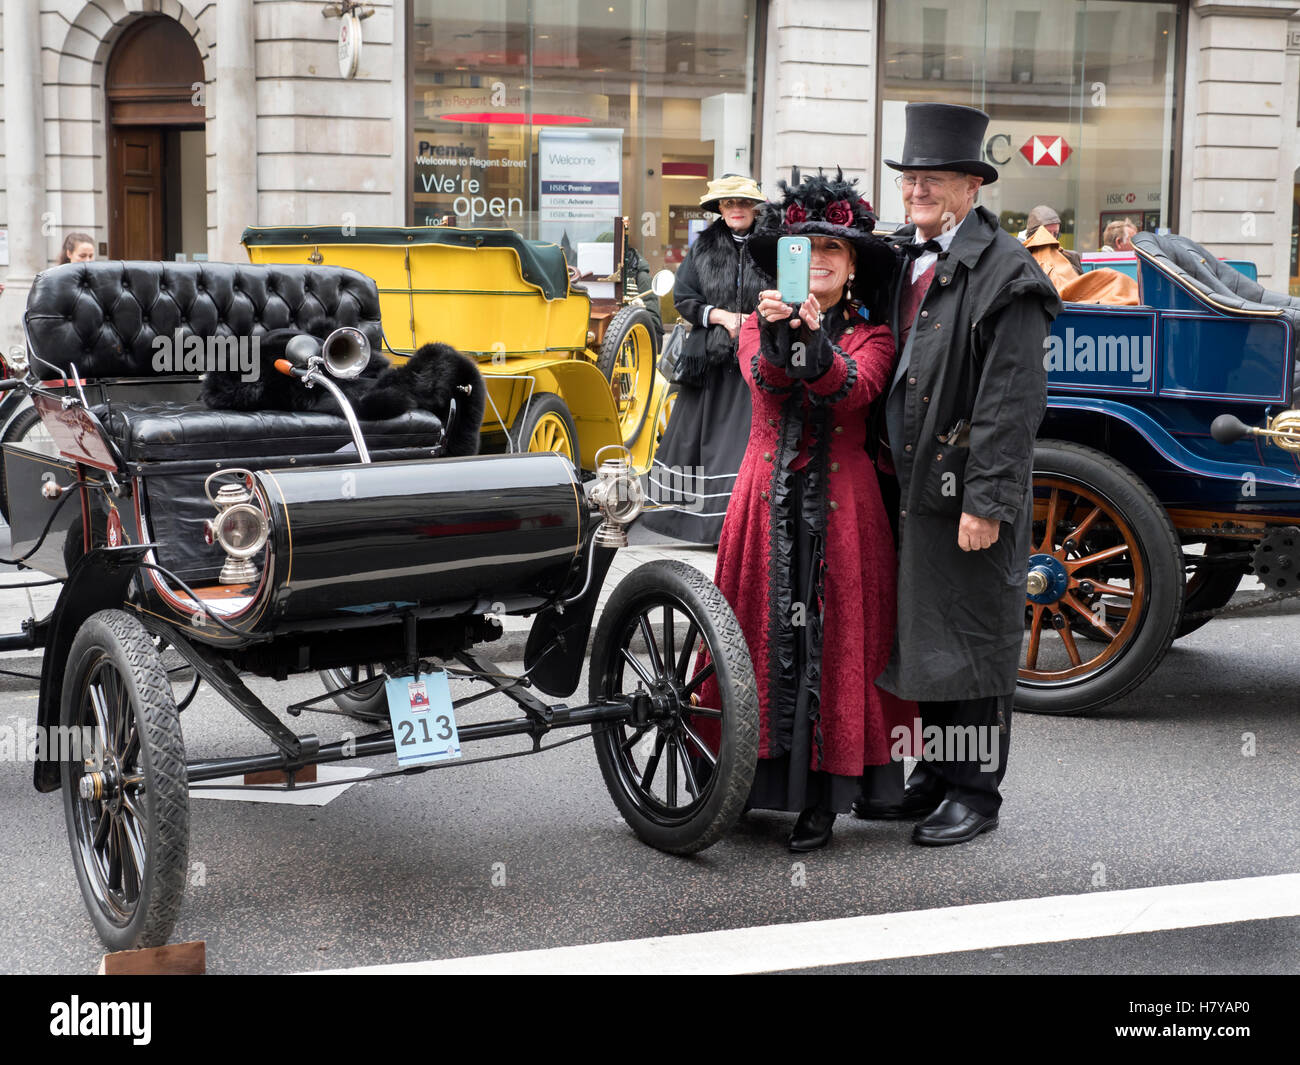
(945, 137)
(830, 207)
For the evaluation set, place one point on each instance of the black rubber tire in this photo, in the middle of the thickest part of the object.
(19, 427)
(543, 404)
(364, 705)
(718, 801)
(1212, 589)
(624, 321)
(1162, 561)
(111, 644)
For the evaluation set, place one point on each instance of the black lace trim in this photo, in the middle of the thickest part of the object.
(763, 383)
(850, 379)
(782, 678)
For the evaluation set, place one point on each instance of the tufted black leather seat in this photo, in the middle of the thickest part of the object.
(163, 432)
(105, 316)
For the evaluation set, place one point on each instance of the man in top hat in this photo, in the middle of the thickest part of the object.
(971, 316)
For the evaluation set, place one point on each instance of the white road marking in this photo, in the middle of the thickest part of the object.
(913, 933)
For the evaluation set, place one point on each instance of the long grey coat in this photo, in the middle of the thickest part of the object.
(975, 356)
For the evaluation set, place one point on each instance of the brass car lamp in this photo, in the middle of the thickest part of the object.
(240, 528)
(618, 495)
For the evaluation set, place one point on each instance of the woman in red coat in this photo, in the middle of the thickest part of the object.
(806, 556)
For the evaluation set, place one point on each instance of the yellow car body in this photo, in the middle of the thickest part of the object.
(509, 304)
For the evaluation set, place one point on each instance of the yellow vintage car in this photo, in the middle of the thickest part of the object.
(565, 372)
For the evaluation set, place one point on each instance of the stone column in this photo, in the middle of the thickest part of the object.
(24, 161)
(234, 128)
(819, 93)
(1242, 140)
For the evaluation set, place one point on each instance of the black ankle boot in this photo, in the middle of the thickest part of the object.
(812, 830)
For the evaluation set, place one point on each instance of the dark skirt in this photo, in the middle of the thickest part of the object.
(695, 467)
(787, 783)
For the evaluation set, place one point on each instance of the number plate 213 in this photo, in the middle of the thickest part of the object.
(424, 724)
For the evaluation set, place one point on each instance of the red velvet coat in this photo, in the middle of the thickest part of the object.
(825, 420)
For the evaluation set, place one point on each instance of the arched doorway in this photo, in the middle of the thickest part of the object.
(157, 159)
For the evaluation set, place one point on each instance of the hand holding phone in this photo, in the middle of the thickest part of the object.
(793, 260)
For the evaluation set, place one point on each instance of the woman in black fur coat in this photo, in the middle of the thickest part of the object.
(716, 289)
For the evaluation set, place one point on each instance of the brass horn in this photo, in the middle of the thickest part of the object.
(346, 352)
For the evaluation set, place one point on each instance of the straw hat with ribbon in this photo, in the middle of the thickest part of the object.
(730, 187)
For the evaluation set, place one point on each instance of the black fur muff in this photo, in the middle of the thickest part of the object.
(431, 378)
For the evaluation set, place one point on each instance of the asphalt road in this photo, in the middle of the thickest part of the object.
(1153, 790)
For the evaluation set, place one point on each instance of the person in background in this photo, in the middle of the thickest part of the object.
(78, 248)
(1119, 235)
(716, 287)
(1043, 217)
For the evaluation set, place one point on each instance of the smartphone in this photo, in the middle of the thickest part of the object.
(793, 258)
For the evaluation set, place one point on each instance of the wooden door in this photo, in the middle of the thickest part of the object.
(136, 225)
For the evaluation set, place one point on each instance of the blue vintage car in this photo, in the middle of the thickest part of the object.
(1166, 469)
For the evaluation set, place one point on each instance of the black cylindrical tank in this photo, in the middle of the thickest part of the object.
(489, 533)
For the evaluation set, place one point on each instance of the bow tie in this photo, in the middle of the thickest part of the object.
(915, 251)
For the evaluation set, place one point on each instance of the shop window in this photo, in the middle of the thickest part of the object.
(1095, 136)
(556, 117)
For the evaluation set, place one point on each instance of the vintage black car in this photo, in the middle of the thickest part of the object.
(276, 542)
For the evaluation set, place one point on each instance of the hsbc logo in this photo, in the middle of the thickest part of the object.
(1045, 151)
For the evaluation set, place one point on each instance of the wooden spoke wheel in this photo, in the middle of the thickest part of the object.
(627, 359)
(126, 802)
(669, 639)
(546, 425)
(1104, 562)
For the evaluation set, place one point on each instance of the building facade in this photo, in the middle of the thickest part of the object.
(163, 127)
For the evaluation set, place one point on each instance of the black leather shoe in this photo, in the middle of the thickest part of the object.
(812, 830)
(951, 823)
(916, 802)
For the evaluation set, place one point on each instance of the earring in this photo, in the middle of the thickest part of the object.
(850, 277)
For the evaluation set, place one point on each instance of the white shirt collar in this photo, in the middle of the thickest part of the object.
(927, 259)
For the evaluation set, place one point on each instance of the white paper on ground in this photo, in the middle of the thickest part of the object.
(297, 797)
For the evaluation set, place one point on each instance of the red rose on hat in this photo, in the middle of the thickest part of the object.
(839, 213)
(794, 214)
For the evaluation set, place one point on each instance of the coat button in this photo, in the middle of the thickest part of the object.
(762, 496)
(767, 456)
(925, 314)
(925, 399)
(771, 421)
(938, 458)
(835, 467)
(943, 279)
(937, 325)
(902, 513)
(833, 505)
(911, 380)
(839, 429)
(908, 447)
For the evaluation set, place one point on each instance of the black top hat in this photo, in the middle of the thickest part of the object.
(831, 207)
(945, 137)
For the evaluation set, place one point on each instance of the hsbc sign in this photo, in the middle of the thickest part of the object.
(1045, 150)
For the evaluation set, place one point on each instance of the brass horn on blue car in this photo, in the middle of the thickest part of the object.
(1283, 430)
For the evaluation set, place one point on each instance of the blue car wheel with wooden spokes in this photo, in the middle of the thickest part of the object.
(1105, 562)
(680, 770)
